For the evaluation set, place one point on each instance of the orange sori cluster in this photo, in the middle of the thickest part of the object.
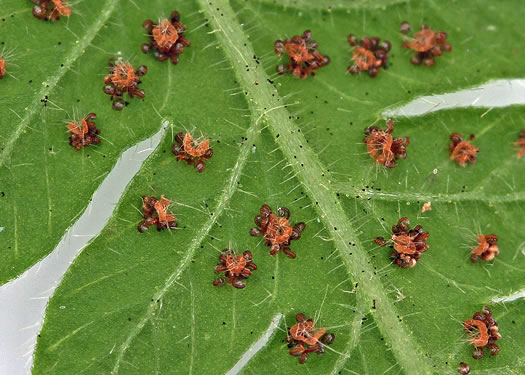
(520, 143)
(427, 44)
(382, 147)
(2, 68)
(155, 212)
(461, 151)
(166, 38)
(487, 248)
(303, 338)
(407, 243)
(427, 206)
(276, 230)
(84, 133)
(192, 151)
(122, 78)
(370, 54)
(50, 10)
(236, 268)
(305, 59)
(483, 330)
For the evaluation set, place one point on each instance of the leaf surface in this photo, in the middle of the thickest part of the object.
(144, 303)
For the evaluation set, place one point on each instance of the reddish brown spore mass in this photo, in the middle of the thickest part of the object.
(426, 44)
(382, 147)
(156, 212)
(408, 243)
(276, 230)
(50, 10)
(464, 368)
(84, 133)
(191, 151)
(304, 59)
(483, 332)
(487, 248)
(303, 338)
(123, 78)
(166, 39)
(380, 241)
(520, 144)
(462, 151)
(236, 268)
(369, 54)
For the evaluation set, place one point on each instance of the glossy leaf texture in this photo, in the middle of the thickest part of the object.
(135, 303)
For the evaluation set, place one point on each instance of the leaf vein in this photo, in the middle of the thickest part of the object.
(414, 196)
(224, 198)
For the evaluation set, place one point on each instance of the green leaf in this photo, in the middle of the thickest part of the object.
(144, 303)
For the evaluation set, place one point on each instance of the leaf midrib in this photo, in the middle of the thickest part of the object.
(264, 99)
(53, 81)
